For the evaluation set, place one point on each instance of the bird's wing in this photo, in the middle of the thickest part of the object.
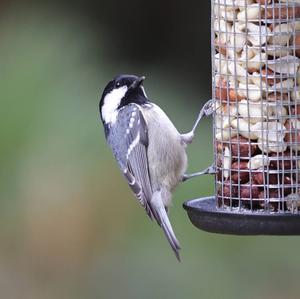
(129, 141)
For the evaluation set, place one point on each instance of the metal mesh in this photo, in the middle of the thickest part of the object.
(256, 79)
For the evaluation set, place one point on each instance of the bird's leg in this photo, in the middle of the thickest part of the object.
(209, 170)
(207, 109)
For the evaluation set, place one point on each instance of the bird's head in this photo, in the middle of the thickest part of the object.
(119, 92)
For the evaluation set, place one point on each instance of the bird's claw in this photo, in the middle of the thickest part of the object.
(209, 107)
(209, 170)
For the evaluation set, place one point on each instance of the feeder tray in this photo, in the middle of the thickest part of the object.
(204, 214)
(255, 50)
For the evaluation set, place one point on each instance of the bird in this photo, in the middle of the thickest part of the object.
(150, 151)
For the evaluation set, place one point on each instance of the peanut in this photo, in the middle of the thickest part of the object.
(249, 191)
(281, 12)
(282, 34)
(258, 161)
(293, 137)
(272, 97)
(269, 77)
(263, 178)
(284, 65)
(240, 172)
(223, 92)
(241, 147)
(297, 45)
(282, 161)
(226, 192)
(226, 162)
(244, 128)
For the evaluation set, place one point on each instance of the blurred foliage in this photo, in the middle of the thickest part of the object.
(69, 226)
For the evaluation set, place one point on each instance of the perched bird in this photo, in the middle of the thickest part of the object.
(147, 146)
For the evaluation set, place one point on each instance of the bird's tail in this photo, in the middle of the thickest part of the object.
(162, 218)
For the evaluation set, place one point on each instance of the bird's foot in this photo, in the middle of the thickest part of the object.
(209, 170)
(207, 109)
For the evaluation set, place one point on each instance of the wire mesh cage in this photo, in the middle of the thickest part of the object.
(256, 88)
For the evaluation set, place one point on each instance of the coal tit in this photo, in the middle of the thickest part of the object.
(148, 148)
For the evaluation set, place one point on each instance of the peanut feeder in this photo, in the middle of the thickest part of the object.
(256, 88)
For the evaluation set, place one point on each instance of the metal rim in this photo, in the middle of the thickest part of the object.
(204, 214)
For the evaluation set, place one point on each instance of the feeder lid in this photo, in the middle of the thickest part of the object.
(204, 214)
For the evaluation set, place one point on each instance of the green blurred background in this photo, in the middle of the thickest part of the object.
(69, 226)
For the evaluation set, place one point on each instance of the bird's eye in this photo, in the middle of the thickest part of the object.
(118, 84)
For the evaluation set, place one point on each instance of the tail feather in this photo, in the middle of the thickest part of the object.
(172, 239)
(162, 218)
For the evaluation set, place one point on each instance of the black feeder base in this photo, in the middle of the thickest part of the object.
(205, 216)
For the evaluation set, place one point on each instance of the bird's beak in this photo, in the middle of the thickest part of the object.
(137, 83)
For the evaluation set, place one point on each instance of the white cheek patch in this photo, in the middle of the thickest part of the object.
(111, 102)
